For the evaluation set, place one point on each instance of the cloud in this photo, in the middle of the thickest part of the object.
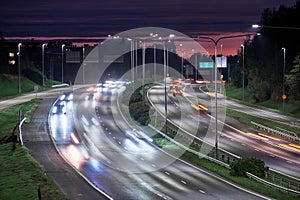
(90, 17)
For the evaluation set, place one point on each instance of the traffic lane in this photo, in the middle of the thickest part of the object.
(266, 114)
(37, 140)
(233, 146)
(107, 178)
(181, 181)
(101, 175)
(275, 158)
(277, 117)
(27, 97)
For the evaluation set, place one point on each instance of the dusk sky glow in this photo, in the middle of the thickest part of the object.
(90, 18)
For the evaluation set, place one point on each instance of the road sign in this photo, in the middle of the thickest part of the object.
(283, 97)
(206, 65)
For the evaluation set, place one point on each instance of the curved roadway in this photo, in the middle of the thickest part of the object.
(91, 136)
(231, 140)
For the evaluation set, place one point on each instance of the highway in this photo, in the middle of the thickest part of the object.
(27, 97)
(233, 140)
(92, 137)
(262, 113)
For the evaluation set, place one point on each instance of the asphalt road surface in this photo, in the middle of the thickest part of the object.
(92, 137)
(231, 139)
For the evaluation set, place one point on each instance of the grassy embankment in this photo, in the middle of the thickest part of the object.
(9, 86)
(292, 109)
(20, 174)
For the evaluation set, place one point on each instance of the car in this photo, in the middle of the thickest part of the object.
(59, 107)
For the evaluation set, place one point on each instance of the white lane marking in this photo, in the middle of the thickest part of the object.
(167, 173)
(114, 137)
(109, 133)
(288, 161)
(182, 181)
(256, 149)
(202, 191)
(142, 158)
(119, 142)
(243, 144)
(153, 165)
(272, 155)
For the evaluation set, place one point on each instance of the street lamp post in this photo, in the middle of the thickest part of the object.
(43, 63)
(216, 41)
(143, 70)
(83, 66)
(283, 88)
(154, 61)
(19, 67)
(275, 27)
(62, 63)
(243, 47)
(165, 84)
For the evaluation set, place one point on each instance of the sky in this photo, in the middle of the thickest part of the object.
(98, 18)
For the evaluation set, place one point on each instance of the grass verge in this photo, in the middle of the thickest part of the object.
(246, 119)
(292, 109)
(20, 174)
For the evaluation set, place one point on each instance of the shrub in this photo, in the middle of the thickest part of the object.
(251, 165)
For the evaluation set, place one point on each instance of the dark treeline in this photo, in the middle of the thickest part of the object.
(265, 58)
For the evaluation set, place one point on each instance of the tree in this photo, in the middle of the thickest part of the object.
(293, 79)
(251, 165)
(1, 37)
(264, 55)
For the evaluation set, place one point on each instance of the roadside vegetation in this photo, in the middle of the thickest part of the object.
(20, 175)
(138, 107)
(246, 119)
(9, 86)
(271, 64)
(292, 108)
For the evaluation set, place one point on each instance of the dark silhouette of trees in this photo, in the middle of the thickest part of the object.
(264, 54)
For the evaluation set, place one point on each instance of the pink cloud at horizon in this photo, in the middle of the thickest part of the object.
(230, 46)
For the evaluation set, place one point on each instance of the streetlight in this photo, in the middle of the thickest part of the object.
(83, 65)
(19, 66)
(143, 72)
(275, 27)
(131, 60)
(62, 63)
(283, 89)
(216, 77)
(243, 47)
(43, 63)
(165, 77)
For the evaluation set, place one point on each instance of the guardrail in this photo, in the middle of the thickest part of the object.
(272, 184)
(225, 155)
(290, 180)
(190, 150)
(285, 133)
